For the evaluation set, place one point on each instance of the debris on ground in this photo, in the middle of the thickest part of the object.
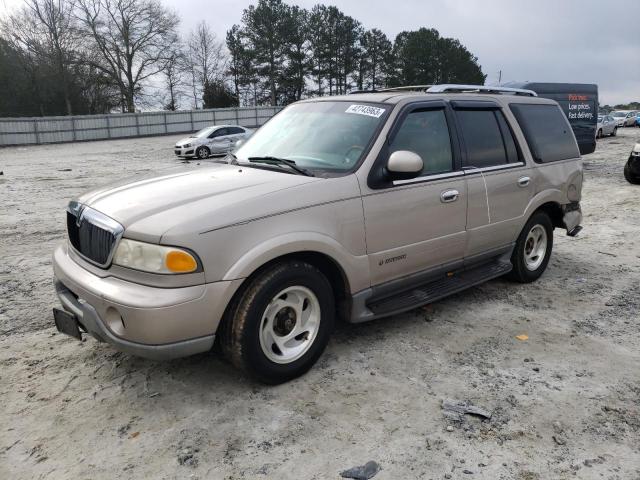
(456, 410)
(363, 472)
(522, 337)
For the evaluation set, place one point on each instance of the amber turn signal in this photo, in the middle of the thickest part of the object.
(179, 261)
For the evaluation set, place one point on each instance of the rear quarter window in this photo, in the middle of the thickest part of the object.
(547, 131)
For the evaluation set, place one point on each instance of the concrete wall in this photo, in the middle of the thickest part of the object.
(38, 130)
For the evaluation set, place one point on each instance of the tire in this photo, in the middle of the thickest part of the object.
(203, 152)
(630, 177)
(599, 134)
(527, 266)
(615, 132)
(254, 322)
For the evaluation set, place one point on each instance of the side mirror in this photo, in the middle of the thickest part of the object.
(403, 165)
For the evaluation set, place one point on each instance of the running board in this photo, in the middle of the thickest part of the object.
(435, 290)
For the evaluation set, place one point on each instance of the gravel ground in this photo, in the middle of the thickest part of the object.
(565, 403)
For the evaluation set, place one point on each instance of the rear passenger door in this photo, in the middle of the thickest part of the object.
(498, 180)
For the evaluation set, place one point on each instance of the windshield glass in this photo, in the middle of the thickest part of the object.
(619, 114)
(327, 136)
(205, 132)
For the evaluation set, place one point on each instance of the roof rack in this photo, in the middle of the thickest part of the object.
(453, 88)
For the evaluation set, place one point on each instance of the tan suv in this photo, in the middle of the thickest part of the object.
(354, 208)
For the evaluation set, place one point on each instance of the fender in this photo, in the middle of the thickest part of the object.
(546, 196)
(356, 268)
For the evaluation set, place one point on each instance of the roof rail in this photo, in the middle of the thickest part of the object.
(453, 88)
(416, 88)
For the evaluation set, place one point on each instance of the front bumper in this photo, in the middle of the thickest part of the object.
(184, 152)
(151, 322)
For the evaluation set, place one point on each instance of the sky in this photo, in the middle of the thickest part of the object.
(578, 41)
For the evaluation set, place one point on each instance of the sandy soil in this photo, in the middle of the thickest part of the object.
(565, 403)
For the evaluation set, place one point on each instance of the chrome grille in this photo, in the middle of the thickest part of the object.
(92, 234)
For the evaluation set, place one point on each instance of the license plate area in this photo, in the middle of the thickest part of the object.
(67, 323)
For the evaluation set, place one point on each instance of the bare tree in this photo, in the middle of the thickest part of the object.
(176, 67)
(207, 57)
(58, 23)
(44, 31)
(130, 40)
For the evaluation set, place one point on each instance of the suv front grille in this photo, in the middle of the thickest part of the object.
(94, 236)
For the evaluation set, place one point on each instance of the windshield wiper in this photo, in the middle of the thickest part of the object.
(281, 161)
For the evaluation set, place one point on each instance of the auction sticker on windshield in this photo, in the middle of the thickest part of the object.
(365, 110)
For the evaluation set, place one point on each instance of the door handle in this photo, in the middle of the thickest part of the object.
(449, 196)
(523, 181)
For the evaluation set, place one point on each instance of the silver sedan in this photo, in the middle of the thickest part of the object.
(216, 139)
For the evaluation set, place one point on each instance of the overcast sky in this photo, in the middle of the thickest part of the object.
(584, 41)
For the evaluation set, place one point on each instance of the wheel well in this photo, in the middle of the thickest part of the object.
(554, 210)
(329, 268)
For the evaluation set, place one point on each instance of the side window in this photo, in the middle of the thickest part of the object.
(221, 132)
(426, 133)
(482, 138)
(235, 130)
(547, 131)
(511, 147)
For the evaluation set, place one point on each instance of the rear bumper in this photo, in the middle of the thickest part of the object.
(572, 217)
(152, 322)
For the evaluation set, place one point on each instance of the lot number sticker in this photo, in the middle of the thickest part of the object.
(365, 110)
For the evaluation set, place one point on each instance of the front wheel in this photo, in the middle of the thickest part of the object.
(280, 324)
(203, 152)
(533, 249)
(599, 134)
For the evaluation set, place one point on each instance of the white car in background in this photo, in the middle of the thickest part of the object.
(216, 139)
(606, 126)
(624, 118)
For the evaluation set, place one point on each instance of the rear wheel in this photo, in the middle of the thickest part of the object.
(615, 132)
(280, 324)
(631, 178)
(533, 249)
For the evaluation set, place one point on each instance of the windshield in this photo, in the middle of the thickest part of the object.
(619, 114)
(326, 136)
(205, 132)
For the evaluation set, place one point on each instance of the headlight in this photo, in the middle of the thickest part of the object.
(186, 145)
(154, 258)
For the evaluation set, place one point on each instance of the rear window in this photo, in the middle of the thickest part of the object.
(547, 131)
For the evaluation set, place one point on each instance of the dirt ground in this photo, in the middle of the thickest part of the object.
(565, 403)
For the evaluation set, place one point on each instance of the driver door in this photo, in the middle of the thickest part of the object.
(418, 225)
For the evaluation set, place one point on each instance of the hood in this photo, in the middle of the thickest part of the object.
(186, 140)
(149, 207)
